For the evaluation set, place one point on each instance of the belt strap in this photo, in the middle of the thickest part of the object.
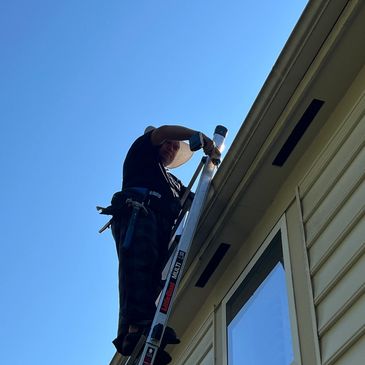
(143, 191)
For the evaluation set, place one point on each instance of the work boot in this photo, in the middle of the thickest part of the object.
(169, 338)
(118, 342)
(130, 341)
(122, 331)
(162, 357)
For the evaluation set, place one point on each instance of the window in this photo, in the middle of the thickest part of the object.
(258, 330)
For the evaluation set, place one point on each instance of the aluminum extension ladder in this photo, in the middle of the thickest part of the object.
(152, 342)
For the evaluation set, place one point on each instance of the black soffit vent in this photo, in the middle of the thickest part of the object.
(298, 131)
(212, 265)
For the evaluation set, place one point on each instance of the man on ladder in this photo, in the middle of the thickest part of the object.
(143, 215)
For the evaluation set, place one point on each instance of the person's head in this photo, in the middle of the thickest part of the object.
(173, 153)
(168, 151)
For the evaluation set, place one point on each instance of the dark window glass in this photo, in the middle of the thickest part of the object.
(258, 331)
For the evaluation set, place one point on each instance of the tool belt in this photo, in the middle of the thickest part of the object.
(122, 201)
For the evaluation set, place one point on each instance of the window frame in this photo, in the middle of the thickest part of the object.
(282, 228)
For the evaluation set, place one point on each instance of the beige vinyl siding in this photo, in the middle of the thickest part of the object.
(199, 350)
(333, 198)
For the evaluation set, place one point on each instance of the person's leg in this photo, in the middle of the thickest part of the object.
(118, 227)
(138, 266)
(139, 281)
(140, 270)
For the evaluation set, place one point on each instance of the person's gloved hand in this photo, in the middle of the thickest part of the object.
(210, 148)
(199, 140)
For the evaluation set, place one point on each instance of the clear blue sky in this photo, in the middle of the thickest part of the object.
(79, 81)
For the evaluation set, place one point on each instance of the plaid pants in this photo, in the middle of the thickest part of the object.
(140, 266)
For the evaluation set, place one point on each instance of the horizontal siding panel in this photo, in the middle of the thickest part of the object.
(334, 169)
(330, 306)
(347, 253)
(353, 118)
(344, 333)
(355, 355)
(332, 237)
(341, 223)
(200, 350)
(208, 359)
(349, 208)
(336, 197)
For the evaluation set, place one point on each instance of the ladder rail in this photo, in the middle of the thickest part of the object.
(177, 266)
(186, 206)
(185, 202)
